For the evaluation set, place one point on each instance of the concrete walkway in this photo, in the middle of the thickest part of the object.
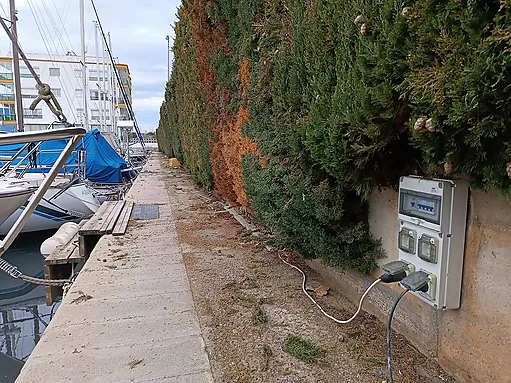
(129, 316)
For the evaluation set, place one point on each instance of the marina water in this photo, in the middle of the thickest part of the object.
(23, 312)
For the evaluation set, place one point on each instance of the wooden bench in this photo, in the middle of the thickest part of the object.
(111, 218)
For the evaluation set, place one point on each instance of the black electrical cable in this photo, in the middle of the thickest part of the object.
(389, 363)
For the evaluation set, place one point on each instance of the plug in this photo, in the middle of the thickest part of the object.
(391, 278)
(417, 281)
(395, 271)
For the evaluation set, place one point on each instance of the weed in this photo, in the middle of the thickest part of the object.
(354, 333)
(259, 316)
(300, 348)
(371, 361)
(267, 354)
(354, 350)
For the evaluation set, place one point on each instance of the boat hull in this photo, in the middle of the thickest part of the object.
(58, 206)
(11, 201)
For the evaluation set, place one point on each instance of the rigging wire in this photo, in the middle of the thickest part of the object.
(123, 91)
(70, 99)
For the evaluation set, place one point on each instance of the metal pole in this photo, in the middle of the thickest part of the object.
(16, 67)
(84, 69)
(97, 73)
(102, 98)
(168, 57)
(112, 88)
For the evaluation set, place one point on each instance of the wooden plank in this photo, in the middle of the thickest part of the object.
(109, 223)
(62, 252)
(52, 292)
(94, 224)
(122, 223)
(111, 215)
(75, 256)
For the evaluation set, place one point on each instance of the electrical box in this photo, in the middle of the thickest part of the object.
(433, 215)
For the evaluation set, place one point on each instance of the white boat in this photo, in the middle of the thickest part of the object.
(65, 201)
(13, 194)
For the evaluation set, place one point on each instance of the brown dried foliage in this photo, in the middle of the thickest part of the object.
(228, 145)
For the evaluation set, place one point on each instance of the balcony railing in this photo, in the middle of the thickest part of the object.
(124, 118)
(7, 117)
(33, 116)
(6, 76)
(6, 97)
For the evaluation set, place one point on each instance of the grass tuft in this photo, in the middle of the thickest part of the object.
(303, 349)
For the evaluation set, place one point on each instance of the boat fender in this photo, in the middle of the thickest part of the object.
(63, 235)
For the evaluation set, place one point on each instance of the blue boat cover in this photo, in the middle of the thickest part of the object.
(103, 163)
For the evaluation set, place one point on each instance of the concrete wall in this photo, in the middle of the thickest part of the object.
(473, 342)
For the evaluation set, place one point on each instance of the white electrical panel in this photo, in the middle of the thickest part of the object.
(431, 238)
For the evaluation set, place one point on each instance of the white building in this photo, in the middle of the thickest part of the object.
(64, 74)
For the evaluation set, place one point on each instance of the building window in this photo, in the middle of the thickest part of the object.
(95, 114)
(79, 93)
(36, 113)
(55, 72)
(94, 95)
(57, 92)
(28, 93)
(25, 72)
(78, 73)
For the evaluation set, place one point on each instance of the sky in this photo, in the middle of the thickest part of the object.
(138, 29)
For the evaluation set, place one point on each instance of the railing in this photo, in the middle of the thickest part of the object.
(124, 118)
(6, 76)
(33, 116)
(75, 135)
(6, 97)
(7, 117)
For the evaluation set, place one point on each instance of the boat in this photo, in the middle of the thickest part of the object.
(65, 201)
(13, 194)
(75, 135)
(69, 197)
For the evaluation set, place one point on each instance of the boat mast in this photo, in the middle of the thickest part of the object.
(112, 90)
(97, 78)
(16, 68)
(103, 97)
(84, 68)
(113, 113)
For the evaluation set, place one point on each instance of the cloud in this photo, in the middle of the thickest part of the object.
(138, 29)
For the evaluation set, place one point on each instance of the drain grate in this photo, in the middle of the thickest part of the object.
(145, 212)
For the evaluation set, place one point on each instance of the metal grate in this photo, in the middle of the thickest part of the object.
(145, 212)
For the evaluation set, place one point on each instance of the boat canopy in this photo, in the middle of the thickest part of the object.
(103, 163)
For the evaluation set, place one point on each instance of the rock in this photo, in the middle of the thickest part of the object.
(508, 169)
(405, 12)
(359, 19)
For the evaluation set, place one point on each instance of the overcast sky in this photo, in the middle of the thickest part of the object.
(138, 29)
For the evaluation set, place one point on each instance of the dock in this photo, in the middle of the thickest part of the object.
(129, 316)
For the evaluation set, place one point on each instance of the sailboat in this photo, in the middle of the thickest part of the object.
(13, 194)
(67, 199)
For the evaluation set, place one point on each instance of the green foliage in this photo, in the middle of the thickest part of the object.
(310, 217)
(460, 76)
(181, 126)
(303, 349)
(333, 104)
